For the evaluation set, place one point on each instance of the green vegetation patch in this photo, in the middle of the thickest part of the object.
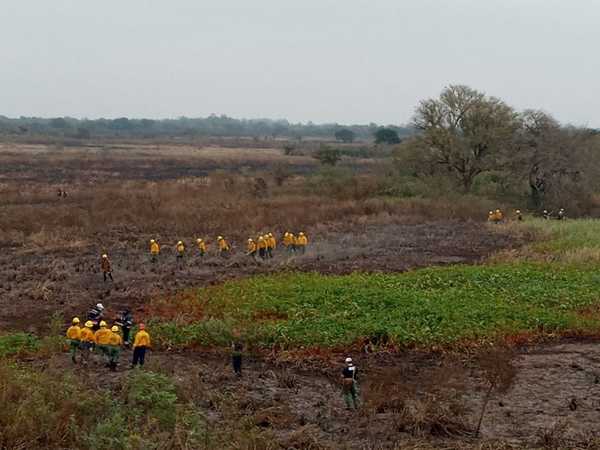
(429, 306)
(17, 344)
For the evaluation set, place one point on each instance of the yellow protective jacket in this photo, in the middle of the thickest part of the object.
(102, 336)
(155, 248)
(262, 243)
(301, 240)
(251, 247)
(223, 245)
(202, 246)
(74, 333)
(288, 239)
(180, 248)
(115, 339)
(142, 339)
(87, 335)
(271, 242)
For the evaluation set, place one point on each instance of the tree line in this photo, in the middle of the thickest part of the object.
(466, 136)
(214, 126)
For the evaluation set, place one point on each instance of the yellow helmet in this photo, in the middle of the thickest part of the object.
(491, 212)
(198, 240)
(220, 238)
(105, 256)
(301, 234)
(75, 320)
(89, 324)
(115, 329)
(497, 210)
(152, 241)
(250, 240)
(270, 234)
(103, 324)
(518, 211)
(179, 242)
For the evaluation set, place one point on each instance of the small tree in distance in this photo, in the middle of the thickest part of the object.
(386, 136)
(344, 135)
(327, 155)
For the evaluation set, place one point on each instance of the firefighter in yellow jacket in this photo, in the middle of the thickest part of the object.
(179, 251)
(271, 244)
(154, 250)
(74, 338)
(251, 248)
(102, 339)
(141, 343)
(115, 343)
(87, 340)
(262, 247)
(288, 241)
(224, 247)
(201, 246)
(301, 242)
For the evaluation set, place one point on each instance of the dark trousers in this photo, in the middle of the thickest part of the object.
(262, 252)
(139, 353)
(108, 274)
(237, 364)
(125, 335)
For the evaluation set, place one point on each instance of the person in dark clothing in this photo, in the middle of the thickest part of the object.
(95, 315)
(125, 321)
(350, 385)
(237, 347)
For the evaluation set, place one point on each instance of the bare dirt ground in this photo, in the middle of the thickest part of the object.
(410, 398)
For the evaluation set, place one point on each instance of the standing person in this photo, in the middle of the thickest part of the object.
(262, 247)
(95, 315)
(74, 338)
(141, 343)
(561, 214)
(180, 249)
(237, 348)
(88, 341)
(302, 242)
(102, 339)
(224, 247)
(518, 215)
(350, 384)
(115, 343)
(125, 321)
(288, 241)
(154, 250)
(106, 267)
(272, 243)
(201, 247)
(251, 248)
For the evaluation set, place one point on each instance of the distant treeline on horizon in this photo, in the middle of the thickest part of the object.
(220, 126)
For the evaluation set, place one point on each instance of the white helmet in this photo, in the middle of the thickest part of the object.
(100, 306)
(349, 361)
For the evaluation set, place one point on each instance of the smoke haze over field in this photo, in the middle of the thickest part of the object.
(347, 61)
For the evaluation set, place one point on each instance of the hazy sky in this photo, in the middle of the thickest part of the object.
(321, 60)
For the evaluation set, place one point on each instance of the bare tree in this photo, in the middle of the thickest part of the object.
(465, 132)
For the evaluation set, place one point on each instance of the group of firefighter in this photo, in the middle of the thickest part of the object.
(498, 216)
(263, 247)
(96, 337)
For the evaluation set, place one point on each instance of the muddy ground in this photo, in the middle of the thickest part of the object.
(38, 282)
(407, 399)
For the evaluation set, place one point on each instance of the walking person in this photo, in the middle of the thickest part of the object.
(106, 268)
(141, 343)
(350, 385)
(125, 321)
(180, 249)
(237, 348)
(154, 250)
